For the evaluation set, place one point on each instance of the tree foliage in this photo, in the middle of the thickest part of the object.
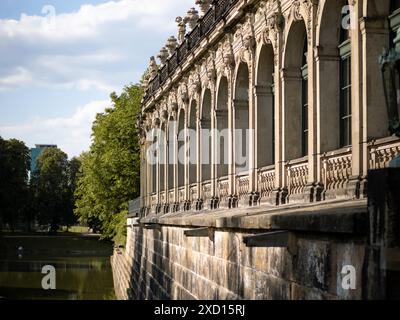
(110, 176)
(53, 185)
(14, 168)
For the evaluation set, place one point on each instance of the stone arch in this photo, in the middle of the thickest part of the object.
(293, 91)
(329, 66)
(222, 125)
(265, 105)
(192, 127)
(241, 107)
(206, 134)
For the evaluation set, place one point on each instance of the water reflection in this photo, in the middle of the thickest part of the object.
(82, 264)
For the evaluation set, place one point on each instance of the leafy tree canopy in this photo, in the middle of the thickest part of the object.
(110, 176)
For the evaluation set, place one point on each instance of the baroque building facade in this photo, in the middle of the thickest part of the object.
(299, 78)
(258, 130)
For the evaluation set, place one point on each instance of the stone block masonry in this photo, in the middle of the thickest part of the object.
(163, 263)
(338, 250)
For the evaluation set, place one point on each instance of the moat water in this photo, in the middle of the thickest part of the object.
(81, 263)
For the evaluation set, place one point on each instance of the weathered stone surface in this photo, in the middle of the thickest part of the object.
(312, 264)
(304, 293)
(165, 264)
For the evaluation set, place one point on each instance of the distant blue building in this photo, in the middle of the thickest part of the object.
(36, 152)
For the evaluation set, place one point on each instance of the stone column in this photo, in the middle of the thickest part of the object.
(232, 199)
(291, 126)
(214, 197)
(158, 169)
(143, 180)
(174, 151)
(199, 201)
(279, 193)
(327, 101)
(253, 190)
(374, 35)
(314, 187)
(149, 177)
(357, 180)
(186, 205)
(164, 208)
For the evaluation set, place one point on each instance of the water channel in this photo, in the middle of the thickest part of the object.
(81, 263)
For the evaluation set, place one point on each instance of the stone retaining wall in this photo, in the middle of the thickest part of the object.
(161, 262)
(121, 274)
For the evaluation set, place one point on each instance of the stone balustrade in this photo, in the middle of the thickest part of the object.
(382, 151)
(266, 181)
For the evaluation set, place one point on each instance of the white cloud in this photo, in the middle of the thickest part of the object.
(95, 45)
(100, 48)
(19, 76)
(71, 134)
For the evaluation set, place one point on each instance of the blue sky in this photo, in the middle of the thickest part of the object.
(60, 60)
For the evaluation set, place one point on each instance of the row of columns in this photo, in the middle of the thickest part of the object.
(368, 122)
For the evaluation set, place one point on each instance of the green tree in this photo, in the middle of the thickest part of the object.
(50, 184)
(74, 166)
(110, 176)
(14, 168)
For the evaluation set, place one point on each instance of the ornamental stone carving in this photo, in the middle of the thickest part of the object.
(153, 67)
(209, 70)
(245, 36)
(273, 23)
(204, 5)
(194, 83)
(172, 103)
(181, 29)
(183, 93)
(171, 45)
(191, 18)
(164, 114)
(163, 55)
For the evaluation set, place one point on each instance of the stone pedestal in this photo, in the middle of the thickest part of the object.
(215, 202)
(254, 198)
(199, 204)
(187, 205)
(353, 187)
(273, 199)
(232, 201)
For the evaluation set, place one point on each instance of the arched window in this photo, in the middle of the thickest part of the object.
(304, 101)
(345, 88)
(265, 95)
(295, 88)
(241, 105)
(222, 129)
(206, 136)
